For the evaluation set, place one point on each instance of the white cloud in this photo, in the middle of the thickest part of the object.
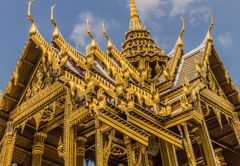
(79, 34)
(151, 7)
(159, 8)
(179, 7)
(198, 15)
(225, 39)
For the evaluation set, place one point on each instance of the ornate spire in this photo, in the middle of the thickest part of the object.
(89, 33)
(110, 44)
(180, 41)
(56, 32)
(33, 28)
(135, 21)
(209, 35)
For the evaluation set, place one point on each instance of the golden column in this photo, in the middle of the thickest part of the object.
(98, 144)
(168, 153)
(80, 150)
(129, 147)
(38, 148)
(206, 144)
(188, 146)
(7, 144)
(204, 138)
(236, 127)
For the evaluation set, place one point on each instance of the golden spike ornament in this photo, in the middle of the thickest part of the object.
(93, 43)
(33, 28)
(88, 29)
(52, 15)
(110, 45)
(56, 32)
(29, 11)
(211, 26)
(180, 41)
(183, 27)
(212, 21)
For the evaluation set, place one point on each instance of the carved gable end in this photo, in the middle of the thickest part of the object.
(213, 84)
(223, 79)
(43, 77)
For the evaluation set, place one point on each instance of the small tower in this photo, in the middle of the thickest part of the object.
(141, 50)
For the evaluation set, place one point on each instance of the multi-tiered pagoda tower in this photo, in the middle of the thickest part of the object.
(137, 106)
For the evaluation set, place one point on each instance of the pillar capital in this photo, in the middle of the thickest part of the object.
(81, 139)
(38, 145)
(81, 146)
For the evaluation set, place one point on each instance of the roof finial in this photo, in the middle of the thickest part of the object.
(52, 15)
(56, 32)
(110, 45)
(212, 21)
(183, 27)
(180, 41)
(135, 21)
(209, 35)
(29, 11)
(105, 32)
(88, 29)
(33, 28)
(93, 43)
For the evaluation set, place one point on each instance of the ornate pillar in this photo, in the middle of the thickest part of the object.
(236, 126)
(80, 141)
(207, 148)
(7, 145)
(204, 137)
(168, 153)
(38, 148)
(188, 146)
(129, 150)
(98, 144)
(145, 154)
(69, 133)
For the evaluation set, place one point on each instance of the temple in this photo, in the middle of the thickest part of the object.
(136, 106)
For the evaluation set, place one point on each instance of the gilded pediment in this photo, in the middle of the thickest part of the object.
(43, 77)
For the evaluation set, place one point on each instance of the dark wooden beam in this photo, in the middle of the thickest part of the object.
(232, 94)
(28, 63)
(226, 136)
(223, 83)
(224, 145)
(11, 98)
(217, 65)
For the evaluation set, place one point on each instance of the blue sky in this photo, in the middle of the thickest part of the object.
(160, 16)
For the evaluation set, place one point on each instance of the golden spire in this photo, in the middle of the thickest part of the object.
(183, 27)
(209, 35)
(180, 41)
(135, 21)
(52, 15)
(29, 11)
(93, 43)
(56, 32)
(33, 28)
(110, 44)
